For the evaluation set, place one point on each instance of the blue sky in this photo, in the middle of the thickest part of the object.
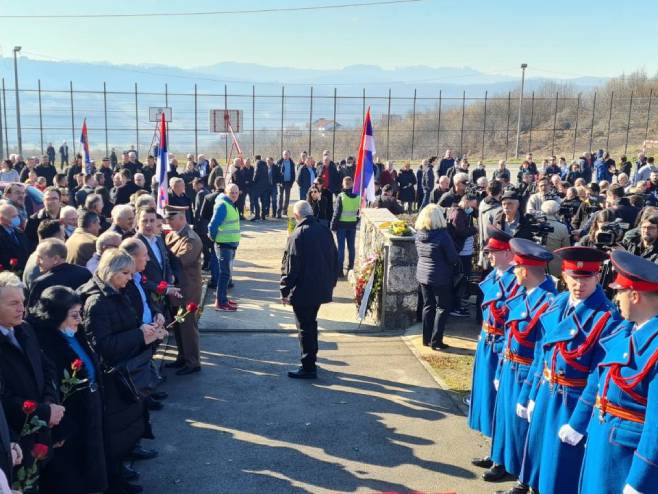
(559, 38)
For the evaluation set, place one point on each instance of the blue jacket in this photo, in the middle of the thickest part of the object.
(629, 445)
(437, 257)
(602, 172)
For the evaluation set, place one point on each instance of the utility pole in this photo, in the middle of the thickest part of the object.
(18, 104)
(518, 122)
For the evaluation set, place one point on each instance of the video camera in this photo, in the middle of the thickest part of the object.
(610, 234)
(539, 226)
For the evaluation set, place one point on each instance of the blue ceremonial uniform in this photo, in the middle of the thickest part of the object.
(497, 288)
(523, 335)
(569, 353)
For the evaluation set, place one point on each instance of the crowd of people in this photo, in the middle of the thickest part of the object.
(94, 278)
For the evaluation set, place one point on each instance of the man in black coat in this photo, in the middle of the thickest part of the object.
(51, 258)
(127, 189)
(305, 178)
(287, 167)
(51, 207)
(259, 189)
(308, 277)
(26, 376)
(14, 246)
(620, 206)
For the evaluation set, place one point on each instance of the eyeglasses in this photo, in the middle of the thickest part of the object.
(75, 315)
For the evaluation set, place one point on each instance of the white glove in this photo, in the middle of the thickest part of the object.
(628, 489)
(496, 384)
(531, 408)
(521, 411)
(569, 435)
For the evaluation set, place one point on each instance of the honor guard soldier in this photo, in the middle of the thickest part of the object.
(523, 334)
(497, 288)
(622, 437)
(573, 324)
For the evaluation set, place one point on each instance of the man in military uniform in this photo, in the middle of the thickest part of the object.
(573, 325)
(499, 285)
(522, 339)
(622, 433)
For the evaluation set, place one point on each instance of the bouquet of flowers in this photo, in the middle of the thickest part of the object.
(399, 229)
(372, 266)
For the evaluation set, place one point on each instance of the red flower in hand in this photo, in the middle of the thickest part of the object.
(29, 407)
(161, 289)
(76, 365)
(13, 262)
(40, 451)
(143, 279)
(192, 307)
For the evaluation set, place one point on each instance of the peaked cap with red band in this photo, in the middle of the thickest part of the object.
(581, 261)
(529, 253)
(633, 272)
(497, 239)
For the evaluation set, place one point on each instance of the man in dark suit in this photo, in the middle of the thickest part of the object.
(51, 258)
(127, 187)
(259, 188)
(309, 274)
(25, 373)
(158, 268)
(14, 247)
(123, 220)
(287, 167)
(305, 178)
(274, 179)
(51, 207)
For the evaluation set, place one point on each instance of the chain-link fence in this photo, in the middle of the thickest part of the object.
(313, 119)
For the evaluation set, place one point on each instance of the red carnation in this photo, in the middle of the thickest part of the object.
(76, 365)
(143, 279)
(13, 262)
(161, 289)
(29, 407)
(40, 451)
(192, 307)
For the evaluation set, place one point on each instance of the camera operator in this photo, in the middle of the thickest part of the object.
(569, 206)
(599, 235)
(588, 207)
(557, 238)
(646, 245)
(619, 205)
(510, 219)
(543, 194)
(458, 190)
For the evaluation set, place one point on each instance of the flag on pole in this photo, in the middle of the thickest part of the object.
(84, 141)
(161, 167)
(364, 175)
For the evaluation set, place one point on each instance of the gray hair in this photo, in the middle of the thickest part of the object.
(460, 178)
(482, 181)
(10, 280)
(174, 180)
(303, 209)
(52, 247)
(107, 239)
(119, 210)
(65, 210)
(92, 199)
(112, 261)
(132, 245)
(550, 207)
(144, 200)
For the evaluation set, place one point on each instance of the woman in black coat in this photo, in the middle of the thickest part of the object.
(116, 335)
(78, 465)
(406, 181)
(437, 259)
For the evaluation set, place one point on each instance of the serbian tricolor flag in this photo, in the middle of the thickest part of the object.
(161, 168)
(364, 175)
(84, 141)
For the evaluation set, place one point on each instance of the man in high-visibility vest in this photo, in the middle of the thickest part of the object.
(346, 215)
(224, 230)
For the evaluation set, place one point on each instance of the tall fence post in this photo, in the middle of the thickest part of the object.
(72, 117)
(607, 139)
(333, 134)
(40, 115)
(253, 119)
(532, 118)
(107, 141)
(310, 125)
(575, 131)
(226, 135)
(438, 127)
(196, 123)
(646, 130)
(283, 97)
(136, 122)
(461, 133)
(484, 124)
(363, 105)
(509, 109)
(172, 116)
(413, 126)
(628, 122)
(388, 125)
(591, 127)
(4, 110)
(554, 124)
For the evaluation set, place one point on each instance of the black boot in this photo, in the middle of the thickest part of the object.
(484, 462)
(496, 473)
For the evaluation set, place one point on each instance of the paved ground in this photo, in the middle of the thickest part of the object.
(375, 420)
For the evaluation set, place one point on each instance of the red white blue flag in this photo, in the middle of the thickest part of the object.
(364, 175)
(84, 141)
(161, 168)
